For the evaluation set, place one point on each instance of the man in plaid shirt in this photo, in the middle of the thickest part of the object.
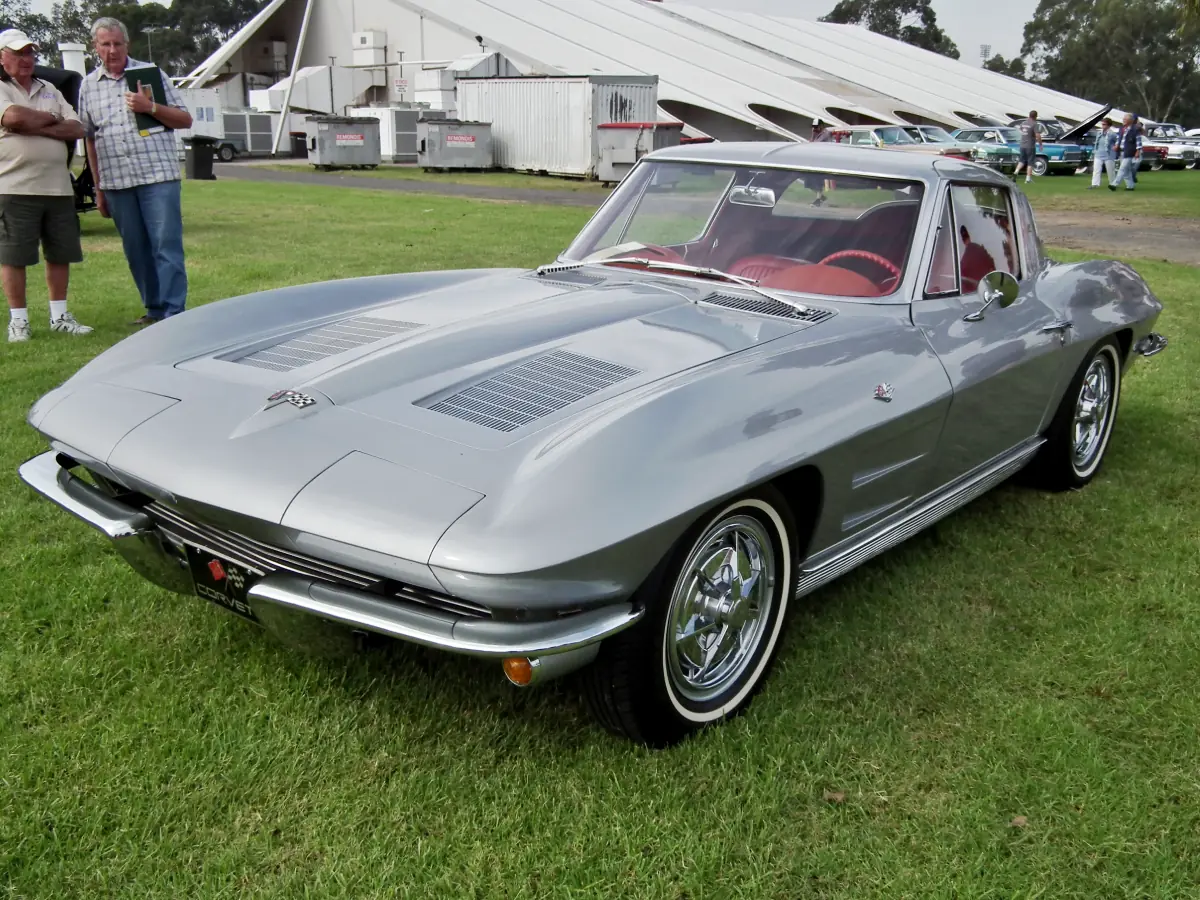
(137, 178)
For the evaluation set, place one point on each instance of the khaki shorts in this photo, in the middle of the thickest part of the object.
(27, 220)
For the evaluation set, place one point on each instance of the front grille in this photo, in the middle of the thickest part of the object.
(268, 559)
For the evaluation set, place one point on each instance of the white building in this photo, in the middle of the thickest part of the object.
(724, 73)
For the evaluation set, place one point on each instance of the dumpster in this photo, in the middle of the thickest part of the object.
(342, 142)
(299, 144)
(198, 158)
(622, 144)
(454, 144)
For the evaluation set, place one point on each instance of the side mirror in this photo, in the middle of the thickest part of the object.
(995, 287)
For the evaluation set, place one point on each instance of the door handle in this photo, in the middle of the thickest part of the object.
(1061, 327)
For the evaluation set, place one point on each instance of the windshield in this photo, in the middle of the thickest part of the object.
(936, 135)
(896, 135)
(812, 232)
(1009, 135)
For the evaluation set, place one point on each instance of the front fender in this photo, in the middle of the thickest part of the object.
(650, 462)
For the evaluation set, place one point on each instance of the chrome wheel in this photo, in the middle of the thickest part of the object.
(1093, 414)
(721, 609)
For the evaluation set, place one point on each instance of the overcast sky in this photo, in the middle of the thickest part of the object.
(968, 22)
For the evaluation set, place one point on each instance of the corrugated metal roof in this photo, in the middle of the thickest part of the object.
(724, 67)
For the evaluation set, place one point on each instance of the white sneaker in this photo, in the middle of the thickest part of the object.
(66, 323)
(18, 330)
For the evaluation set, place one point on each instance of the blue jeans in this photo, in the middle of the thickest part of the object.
(1125, 174)
(149, 219)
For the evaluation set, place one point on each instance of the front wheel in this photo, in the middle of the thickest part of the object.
(715, 608)
(1078, 436)
(1041, 165)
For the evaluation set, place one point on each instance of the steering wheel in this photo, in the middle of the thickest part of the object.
(868, 256)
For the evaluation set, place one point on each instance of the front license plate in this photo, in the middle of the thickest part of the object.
(222, 582)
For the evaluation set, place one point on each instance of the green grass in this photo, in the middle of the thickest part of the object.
(1166, 193)
(1033, 657)
(484, 179)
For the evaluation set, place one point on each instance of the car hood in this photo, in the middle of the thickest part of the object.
(432, 397)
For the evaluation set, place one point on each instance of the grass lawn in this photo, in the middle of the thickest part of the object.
(500, 179)
(1003, 707)
(1166, 193)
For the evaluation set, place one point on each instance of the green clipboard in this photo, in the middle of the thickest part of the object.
(148, 80)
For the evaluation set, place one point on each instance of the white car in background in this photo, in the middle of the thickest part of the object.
(1183, 151)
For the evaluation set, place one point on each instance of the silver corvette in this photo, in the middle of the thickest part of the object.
(756, 367)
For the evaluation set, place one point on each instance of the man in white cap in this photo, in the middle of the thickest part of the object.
(37, 203)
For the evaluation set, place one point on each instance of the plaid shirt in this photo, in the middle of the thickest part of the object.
(126, 159)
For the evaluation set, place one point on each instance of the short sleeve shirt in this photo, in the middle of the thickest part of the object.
(125, 158)
(1028, 134)
(30, 164)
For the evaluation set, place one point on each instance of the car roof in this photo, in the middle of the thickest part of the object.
(866, 161)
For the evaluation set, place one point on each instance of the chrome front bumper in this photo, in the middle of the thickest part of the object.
(138, 539)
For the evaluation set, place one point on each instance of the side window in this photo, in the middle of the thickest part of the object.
(943, 270)
(987, 242)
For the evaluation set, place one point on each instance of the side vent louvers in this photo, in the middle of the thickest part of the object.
(532, 390)
(765, 306)
(321, 343)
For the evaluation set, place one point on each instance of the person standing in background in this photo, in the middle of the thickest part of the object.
(137, 178)
(37, 203)
(1129, 145)
(1031, 140)
(1105, 154)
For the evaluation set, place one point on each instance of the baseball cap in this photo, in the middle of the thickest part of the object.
(15, 39)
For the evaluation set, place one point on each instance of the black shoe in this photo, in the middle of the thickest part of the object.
(1112, 187)
(145, 320)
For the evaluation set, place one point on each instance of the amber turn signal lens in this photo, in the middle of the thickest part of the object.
(518, 670)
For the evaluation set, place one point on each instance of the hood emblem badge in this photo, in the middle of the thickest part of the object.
(295, 398)
(883, 392)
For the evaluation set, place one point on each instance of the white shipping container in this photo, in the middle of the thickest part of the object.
(549, 124)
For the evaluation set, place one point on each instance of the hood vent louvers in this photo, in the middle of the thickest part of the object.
(321, 343)
(573, 278)
(764, 306)
(532, 390)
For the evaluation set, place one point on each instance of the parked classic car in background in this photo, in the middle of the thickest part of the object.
(1052, 158)
(998, 156)
(756, 367)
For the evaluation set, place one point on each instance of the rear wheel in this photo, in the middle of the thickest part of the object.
(1078, 437)
(715, 608)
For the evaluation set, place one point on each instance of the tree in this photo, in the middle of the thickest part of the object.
(1139, 55)
(911, 21)
(1014, 67)
(177, 37)
(19, 14)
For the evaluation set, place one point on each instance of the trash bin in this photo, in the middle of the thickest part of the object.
(299, 144)
(343, 141)
(198, 158)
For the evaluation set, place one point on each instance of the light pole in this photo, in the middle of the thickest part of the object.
(149, 44)
(332, 107)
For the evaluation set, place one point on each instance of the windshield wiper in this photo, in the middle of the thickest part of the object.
(751, 283)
